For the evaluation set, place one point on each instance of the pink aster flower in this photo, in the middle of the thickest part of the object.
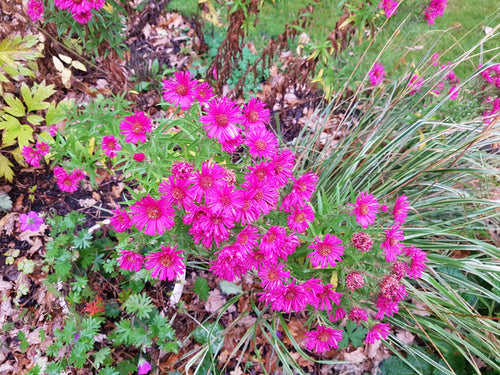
(32, 221)
(67, 182)
(354, 280)
(435, 9)
(273, 276)
(255, 114)
(418, 259)
(365, 209)
(401, 208)
(300, 218)
(261, 143)
(182, 170)
(326, 297)
(389, 7)
(377, 74)
(120, 220)
(323, 339)
(204, 92)
(143, 367)
(272, 242)
(154, 216)
(130, 261)
(283, 163)
(260, 174)
(139, 157)
(212, 226)
(326, 252)
(181, 90)
(392, 246)
(222, 201)
(220, 121)
(454, 91)
(177, 192)
(35, 9)
(385, 307)
(362, 241)
(110, 145)
(339, 315)
(357, 315)
(248, 238)
(43, 148)
(391, 289)
(229, 263)
(210, 178)
(246, 210)
(378, 332)
(305, 186)
(31, 156)
(415, 84)
(289, 298)
(167, 264)
(135, 127)
(265, 197)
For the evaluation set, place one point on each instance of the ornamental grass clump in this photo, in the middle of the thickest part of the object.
(217, 186)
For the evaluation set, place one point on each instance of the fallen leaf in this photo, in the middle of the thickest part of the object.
(356, 356)
(236, 371)
(7, 223)
(405, 336)
(377, 351)
(215, 301)
(116, 190)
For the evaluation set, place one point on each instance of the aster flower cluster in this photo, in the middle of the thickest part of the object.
(389, 6)
(35, 9)
(68, 182)
(81, 10)
(377, 74)
(435, 9)
(491, 76)
(255, 217)
(33, 155)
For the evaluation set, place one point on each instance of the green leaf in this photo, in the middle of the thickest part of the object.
(101, 356)
(210, 333)
(139, 304)
(5, 169)
(35, 119)
(5, 201)
(35, 97)
(201, 288)
(24, 344)
(25, 136)
(16, 107)
(58, 113)
(230, 288)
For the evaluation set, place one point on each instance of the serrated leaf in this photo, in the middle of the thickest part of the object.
(78, 65)
(58, 64)
(18, 157)
(101, 356)
(201, 288)
(25, 136)
(35, 119)
(230, 288)
(5, 201)
(40, 93)
(65, 58)
(15, 105)
(57, 113)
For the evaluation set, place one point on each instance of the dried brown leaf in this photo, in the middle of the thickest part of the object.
(215, 301)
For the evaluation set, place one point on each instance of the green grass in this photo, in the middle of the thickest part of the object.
(414, 40)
